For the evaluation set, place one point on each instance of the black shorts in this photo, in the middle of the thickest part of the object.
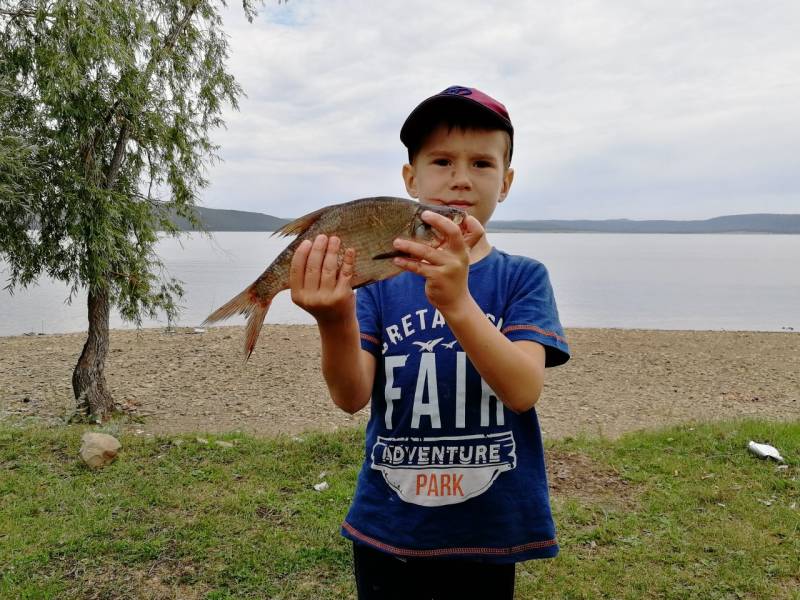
(381, 576)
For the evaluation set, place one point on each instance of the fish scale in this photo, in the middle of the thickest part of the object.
(368, 225)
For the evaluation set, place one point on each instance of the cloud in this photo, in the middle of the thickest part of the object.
(621, 109)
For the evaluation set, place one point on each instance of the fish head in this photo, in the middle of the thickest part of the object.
(424, 232)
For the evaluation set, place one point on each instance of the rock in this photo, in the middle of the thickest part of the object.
(202, 440)
(321, 487)
(99, 449)
(222, 444)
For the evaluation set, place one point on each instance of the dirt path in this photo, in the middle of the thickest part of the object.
(617, 380)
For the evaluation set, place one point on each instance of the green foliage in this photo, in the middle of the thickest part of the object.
(699, 517)
(106, 113)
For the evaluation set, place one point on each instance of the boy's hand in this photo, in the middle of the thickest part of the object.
(318, 286)
(445, 268)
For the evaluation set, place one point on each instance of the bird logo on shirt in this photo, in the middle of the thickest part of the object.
(449, 345)
(427, 346)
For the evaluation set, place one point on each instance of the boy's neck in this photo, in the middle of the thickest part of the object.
(480, 250)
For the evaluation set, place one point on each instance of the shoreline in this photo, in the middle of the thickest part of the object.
(618, 380)
(188, 329)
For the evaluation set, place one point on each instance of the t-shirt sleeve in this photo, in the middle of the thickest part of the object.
(532, 313)
(368, 313)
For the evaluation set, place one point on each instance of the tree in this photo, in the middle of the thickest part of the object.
(106, 110)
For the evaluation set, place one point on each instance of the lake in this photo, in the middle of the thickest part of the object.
(651, 281)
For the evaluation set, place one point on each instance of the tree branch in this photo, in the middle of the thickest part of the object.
(25, 14)
(117, 109)
(119, 154)
(18, 13)
(89, 148)
(169, 42)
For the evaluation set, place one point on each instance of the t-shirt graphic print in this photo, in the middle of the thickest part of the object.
(437, 471)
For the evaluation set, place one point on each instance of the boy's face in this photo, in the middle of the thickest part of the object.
(461, 168)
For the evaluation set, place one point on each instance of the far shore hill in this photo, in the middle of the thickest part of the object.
(236, 220)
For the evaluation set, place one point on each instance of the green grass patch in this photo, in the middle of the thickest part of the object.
(684, 513)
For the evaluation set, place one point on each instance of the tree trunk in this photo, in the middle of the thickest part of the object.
(88, 380)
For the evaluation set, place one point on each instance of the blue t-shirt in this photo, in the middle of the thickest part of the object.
(449, 471)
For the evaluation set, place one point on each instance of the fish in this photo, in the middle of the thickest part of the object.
(369, 225)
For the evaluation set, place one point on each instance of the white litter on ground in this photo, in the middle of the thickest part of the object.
(764, 451)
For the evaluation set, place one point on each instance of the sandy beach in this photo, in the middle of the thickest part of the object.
(617, 381)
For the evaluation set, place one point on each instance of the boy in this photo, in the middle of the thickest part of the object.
(453, 489)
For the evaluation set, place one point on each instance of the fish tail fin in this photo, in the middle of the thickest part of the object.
(241, 304)
(253, 329)
(247, 303)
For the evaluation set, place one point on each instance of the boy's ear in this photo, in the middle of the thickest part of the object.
(410, 178)
(508, 179)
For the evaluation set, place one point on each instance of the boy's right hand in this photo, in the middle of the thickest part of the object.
(318, 286)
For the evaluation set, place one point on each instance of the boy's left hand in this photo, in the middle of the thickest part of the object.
(445, 268)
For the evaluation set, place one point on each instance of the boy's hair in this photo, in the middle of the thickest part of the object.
(460, 108)
(455, 120)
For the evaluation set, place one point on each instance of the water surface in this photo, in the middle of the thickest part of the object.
(654, 281)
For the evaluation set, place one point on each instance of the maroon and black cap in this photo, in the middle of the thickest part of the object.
(467, 103)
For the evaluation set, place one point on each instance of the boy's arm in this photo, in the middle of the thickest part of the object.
(514, 370)
(326, 293)
(349, 371)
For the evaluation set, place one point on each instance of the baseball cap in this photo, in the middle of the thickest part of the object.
(454, 99)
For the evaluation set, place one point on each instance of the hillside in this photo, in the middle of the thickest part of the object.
(237, 220)
(753, 223)
(216, 219)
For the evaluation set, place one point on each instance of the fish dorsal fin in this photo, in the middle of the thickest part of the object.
(301, 225)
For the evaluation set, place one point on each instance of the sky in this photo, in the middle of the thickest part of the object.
(638, 109)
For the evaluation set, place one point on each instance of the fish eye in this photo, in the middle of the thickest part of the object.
(422, 229)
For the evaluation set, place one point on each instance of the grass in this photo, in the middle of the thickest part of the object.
(686, 513)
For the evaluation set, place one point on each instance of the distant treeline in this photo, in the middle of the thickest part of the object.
(755, 223)
(237, 220)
